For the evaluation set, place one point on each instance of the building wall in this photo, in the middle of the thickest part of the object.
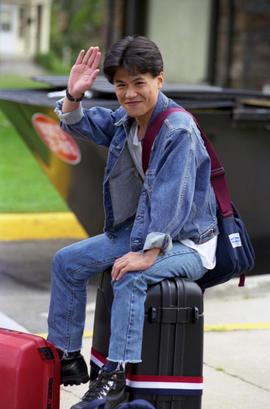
(243, 49)
(8, 28)
(24, 27)
(251, 45)
(181, 30)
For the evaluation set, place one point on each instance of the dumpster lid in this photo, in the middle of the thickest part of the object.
(102, 87)
(252, 115)
(58, 81)
(101, 84)
(48, 98)
(198, 96)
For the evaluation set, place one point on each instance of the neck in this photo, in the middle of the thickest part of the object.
(142, 123)
(141, 131)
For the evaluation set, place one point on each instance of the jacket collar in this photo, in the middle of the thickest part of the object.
(161, 105)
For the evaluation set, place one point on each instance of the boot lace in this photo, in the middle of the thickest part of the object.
(100, 387)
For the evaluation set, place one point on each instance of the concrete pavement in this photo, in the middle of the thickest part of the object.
(20, 66)
(236, 363)
(236, 338)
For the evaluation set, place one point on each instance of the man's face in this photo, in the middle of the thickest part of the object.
(137, 93)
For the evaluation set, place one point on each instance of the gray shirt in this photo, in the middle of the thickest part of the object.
(135, 148)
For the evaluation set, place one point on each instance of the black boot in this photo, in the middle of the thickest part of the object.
(109, 388)
(73, 368)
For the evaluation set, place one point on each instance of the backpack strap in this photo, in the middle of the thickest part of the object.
(217, 171)
(152, 132)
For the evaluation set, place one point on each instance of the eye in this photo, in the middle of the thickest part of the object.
(120, 86)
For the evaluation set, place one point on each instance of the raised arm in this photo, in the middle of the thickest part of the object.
(82, 75)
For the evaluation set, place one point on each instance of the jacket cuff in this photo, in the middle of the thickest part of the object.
(161, 241)
(68, 118)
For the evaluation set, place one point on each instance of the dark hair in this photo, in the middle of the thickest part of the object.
(136, 54)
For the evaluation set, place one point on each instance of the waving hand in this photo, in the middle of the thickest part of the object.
(84, 71)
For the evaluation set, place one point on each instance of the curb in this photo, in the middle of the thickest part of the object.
(40, 226)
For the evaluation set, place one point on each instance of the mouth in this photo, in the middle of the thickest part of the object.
(131, 103)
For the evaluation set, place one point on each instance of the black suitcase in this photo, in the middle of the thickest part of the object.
(170, 375)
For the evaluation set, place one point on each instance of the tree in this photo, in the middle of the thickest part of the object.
(76, 24)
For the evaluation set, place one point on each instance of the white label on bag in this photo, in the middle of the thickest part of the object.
(235, 240)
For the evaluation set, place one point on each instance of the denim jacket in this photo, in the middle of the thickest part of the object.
(175, 201)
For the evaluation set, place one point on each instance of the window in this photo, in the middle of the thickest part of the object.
(22, 21)
(5, 20)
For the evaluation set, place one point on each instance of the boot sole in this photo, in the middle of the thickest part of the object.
(69, 381)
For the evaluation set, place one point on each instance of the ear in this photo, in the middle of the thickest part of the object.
(160, 79)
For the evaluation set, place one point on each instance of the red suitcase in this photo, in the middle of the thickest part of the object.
(29, 372)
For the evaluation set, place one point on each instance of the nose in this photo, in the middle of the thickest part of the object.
(131, 92)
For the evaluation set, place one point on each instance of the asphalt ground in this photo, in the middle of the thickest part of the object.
(237, 323)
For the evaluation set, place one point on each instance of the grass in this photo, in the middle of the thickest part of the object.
(52, 63)
(17, 81)
(24, 187)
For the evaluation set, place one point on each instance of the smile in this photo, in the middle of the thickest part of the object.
(130, 103)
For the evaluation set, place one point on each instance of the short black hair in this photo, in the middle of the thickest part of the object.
(136, 54)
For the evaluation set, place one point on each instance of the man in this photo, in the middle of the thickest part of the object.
(160, 222)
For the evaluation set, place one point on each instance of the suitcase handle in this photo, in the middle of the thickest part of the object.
(174, 315)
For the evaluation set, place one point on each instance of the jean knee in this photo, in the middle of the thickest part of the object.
(56, 261)
(130, 281)
(59, 262)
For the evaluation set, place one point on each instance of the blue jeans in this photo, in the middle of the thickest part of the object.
(75, 264)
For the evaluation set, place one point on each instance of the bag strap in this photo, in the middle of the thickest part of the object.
(151, 133)
(217, 171)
